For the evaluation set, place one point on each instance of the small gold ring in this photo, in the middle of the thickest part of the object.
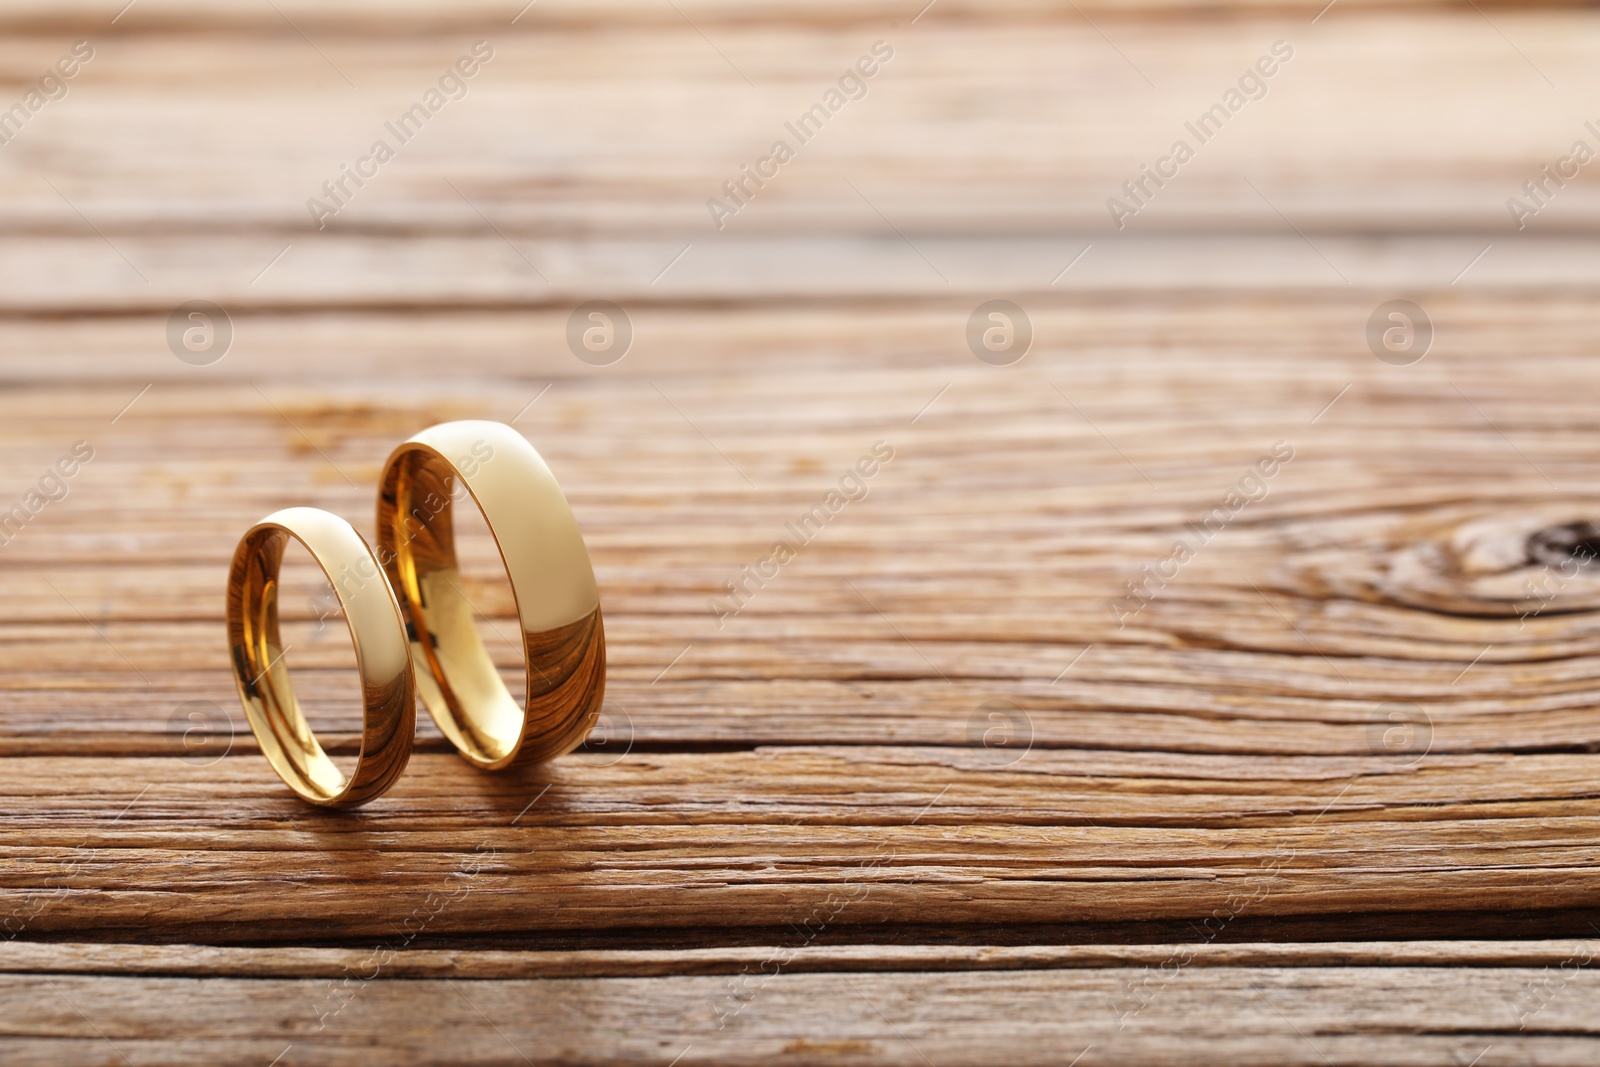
(552, 582)
(389, 719)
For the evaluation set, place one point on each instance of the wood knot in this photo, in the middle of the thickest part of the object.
(1554, 545)
(1523, 564)
(1535, 564)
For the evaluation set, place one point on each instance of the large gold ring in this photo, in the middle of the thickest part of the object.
(552, 582)
(389, 718)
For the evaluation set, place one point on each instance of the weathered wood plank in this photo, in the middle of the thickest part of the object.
(798, 957)
(1222, 1015)
(768, 837)
(1005, 123)
(448, 278)
(410, 17)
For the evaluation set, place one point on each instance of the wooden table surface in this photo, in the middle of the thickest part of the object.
(1199, 687)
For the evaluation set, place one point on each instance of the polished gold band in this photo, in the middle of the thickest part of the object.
(558, 603)
(377, 628)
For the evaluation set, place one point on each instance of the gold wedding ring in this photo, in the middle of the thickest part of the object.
(552, 582)
(382, 656)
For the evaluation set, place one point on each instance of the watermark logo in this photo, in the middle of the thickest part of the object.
(1400, 734)
(51, 487)
(744, 987)
(339, 994)
(1399, 332)
(1251, 488)
(610, 740)
(1001, 731)
(1143, 987)
(342, 188)
(199, 332)
(999, 332)
(51, 86)
(851, 487)
(1252, 85)
(1565, 551)
(1537, 993)
(1542, 189)
(207, 731)
(599, 333)
(738, 192)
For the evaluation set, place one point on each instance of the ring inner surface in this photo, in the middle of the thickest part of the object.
(482, 718)
(280, 725)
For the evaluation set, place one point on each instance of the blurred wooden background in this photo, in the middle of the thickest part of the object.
(936, 794)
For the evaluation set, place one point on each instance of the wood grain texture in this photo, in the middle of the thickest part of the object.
(876, 836)
(21, 957)
(1238, 1015)
(981, 775)
(1016, 123)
